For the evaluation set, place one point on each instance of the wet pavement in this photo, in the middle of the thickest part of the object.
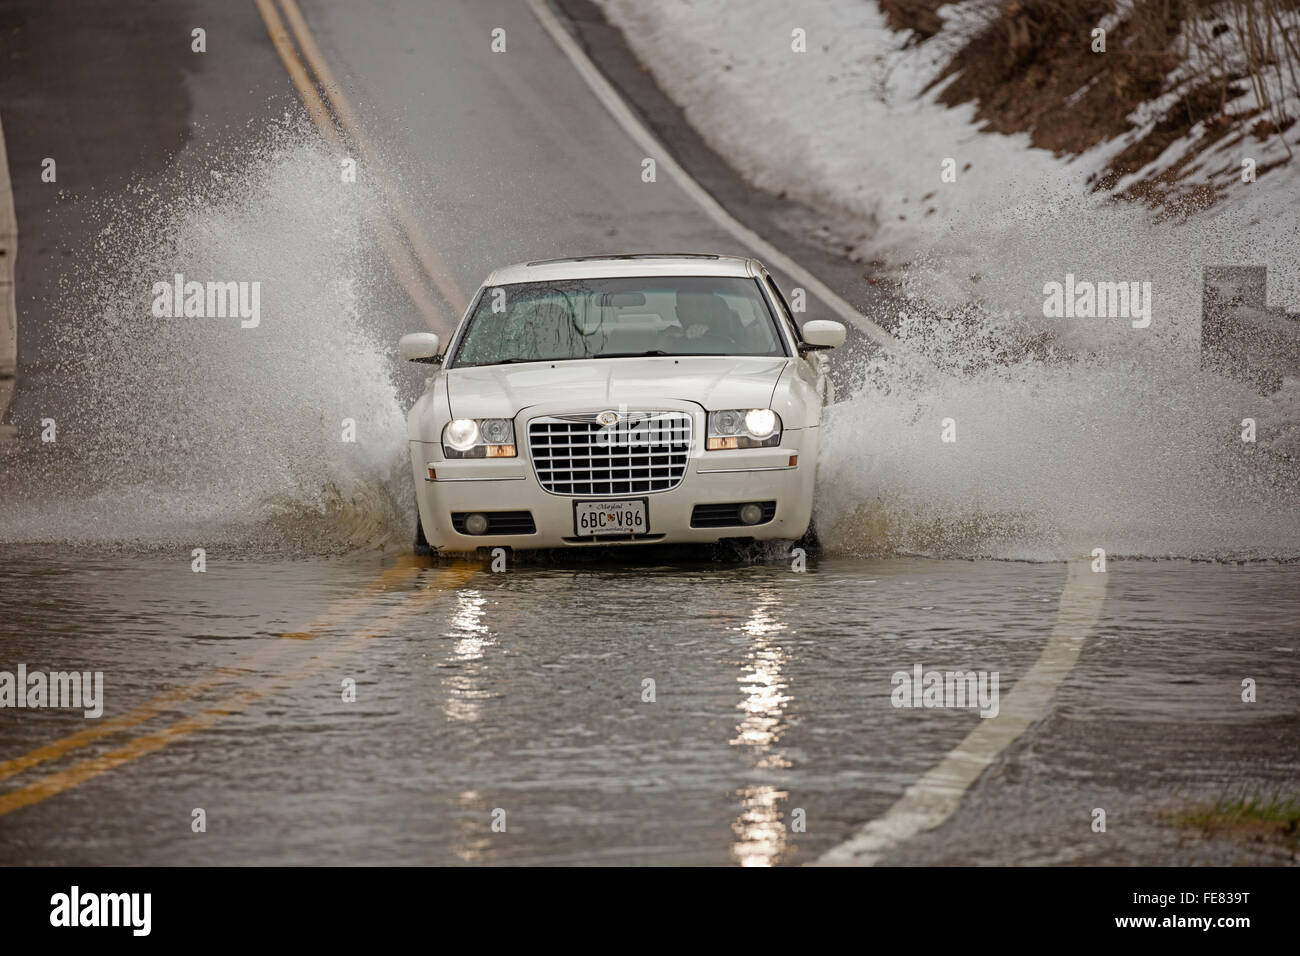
(523, 692)
(771, 736)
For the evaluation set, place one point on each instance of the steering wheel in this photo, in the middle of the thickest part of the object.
(714, 337)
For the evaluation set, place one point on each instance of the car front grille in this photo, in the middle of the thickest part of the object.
(642, 453)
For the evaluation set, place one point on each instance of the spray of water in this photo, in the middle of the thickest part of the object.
(1136, 452)
(198, 432)
(195, 430)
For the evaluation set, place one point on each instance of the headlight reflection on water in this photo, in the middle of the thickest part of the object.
(760, 828)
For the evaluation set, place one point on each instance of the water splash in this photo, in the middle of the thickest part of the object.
(1136, 452)
(195, 430)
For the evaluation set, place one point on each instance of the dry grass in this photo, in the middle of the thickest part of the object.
(1273, 819)
(919, 16)
(1031, 69)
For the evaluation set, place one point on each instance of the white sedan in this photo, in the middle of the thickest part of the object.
(619, 400)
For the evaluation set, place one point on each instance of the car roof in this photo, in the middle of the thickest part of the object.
(653, 264)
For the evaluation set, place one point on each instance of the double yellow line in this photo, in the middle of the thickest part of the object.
(303, 662)
(417, 266)
(151, 708)
(414, 261)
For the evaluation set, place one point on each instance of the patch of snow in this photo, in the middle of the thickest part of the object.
(848, 128)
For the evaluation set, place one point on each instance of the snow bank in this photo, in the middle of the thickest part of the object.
(846, 128)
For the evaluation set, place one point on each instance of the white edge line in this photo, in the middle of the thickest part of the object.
(637, 130)
(934, 797)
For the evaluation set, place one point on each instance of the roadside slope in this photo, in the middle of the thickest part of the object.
(854, 128)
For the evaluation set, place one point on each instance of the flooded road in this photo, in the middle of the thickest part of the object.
(521, 697)
(316, 695)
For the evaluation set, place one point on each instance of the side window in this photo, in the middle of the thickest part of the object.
(785, 308)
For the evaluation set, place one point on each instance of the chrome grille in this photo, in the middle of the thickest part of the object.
(644, 452)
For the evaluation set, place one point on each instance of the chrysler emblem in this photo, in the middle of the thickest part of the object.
(607, 418)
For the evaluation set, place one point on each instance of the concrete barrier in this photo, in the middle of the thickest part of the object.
(8, 312)
(1241, 336)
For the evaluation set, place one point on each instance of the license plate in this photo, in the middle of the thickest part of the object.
(595, 518)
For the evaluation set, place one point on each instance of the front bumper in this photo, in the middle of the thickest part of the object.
(715, 477)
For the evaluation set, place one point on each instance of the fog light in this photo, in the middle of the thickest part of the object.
(475, 523)
(751, 514)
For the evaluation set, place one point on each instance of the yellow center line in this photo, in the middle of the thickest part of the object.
(56, 783)
(404, 268)
(319, 110)
(280, 39)
(151, 708)
(433, 264)
(407, 275)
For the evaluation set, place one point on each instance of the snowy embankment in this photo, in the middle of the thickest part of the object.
(849, 128)
(1104, 431)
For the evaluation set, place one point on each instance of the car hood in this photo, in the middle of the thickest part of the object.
(713, 381)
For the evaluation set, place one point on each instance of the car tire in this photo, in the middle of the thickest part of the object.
(811, 542)
(421, 545)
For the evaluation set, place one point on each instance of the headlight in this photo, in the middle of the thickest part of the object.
(460, 435)
(497, 431)
(760, 422)
(479, 438)
(743, 428)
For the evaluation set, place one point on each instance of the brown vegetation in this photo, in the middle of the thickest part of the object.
(1031, 68)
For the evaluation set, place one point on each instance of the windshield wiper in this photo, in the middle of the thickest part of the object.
(509, 361)
(630, 354)
(651, 353)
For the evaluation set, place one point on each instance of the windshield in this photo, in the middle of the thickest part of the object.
(615, 318)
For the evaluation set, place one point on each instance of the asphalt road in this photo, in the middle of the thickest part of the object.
(517, 699)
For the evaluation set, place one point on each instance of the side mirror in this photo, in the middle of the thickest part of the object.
(822, 334)
(420, 347)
